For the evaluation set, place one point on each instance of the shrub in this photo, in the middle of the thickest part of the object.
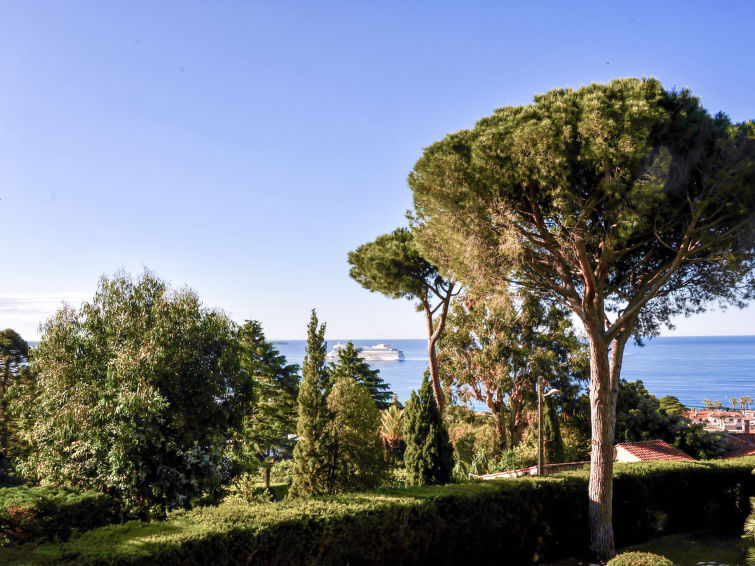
(282, 472)
(523, 521)
(639, 559)
(28, 513)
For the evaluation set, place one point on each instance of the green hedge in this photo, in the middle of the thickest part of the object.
(639, 559)
(28, 513)
(520, 521)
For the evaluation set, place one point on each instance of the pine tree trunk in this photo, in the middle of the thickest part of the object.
(600, 488)
(433, 333)
(435, 376)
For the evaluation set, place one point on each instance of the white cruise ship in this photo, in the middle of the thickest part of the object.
(379, 352)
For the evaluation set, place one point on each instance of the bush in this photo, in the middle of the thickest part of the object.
(526, 520)
(28, 513)
(639, 559)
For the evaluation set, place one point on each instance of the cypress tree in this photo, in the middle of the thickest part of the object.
(311, 451)
(553, 443)
(349, 364)
(429, 454)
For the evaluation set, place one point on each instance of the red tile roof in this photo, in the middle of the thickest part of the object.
(712, 413)
(744, 445)
(654, 450)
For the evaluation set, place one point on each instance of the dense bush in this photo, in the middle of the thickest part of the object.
(28, 513)
(639, 559)
(138, 393)
(523, 520)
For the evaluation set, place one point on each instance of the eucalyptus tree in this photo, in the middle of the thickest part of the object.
(626, 203)
(393, 266)
(494, 348)
(14, 355)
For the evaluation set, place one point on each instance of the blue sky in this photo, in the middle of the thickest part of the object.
(243, 148)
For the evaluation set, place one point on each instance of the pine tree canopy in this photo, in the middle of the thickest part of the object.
(350, 365)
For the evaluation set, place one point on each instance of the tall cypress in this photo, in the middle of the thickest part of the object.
(429, 454)
(552, 441)
(349, 364)
(310, 453)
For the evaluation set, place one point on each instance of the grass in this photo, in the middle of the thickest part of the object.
(692, 549)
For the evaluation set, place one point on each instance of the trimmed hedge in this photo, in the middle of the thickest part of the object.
(48, 513)
(639, 559)
(521, 521)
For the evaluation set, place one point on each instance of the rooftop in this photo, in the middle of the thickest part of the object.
(653, 450)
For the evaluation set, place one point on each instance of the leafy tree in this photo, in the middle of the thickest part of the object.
(429, 454)
(493, 350)
(626, 203)
(393, 266)
(355, 452)
(311, 451)
(272, 419)
(138, 393)
(392, 430)
(14, 355)
(349, 364)
(671, 405)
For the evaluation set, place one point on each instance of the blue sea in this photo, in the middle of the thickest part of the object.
(691, 368)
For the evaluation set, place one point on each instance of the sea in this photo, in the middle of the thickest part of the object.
(691, 368)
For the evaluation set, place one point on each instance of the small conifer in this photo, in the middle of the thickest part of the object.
(429, 454)
(310, 453)
(350, 365)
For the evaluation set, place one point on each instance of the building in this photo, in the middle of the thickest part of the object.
(648, 450)
(717, 420)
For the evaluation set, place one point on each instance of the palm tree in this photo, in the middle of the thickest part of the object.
(733, 402)
(748, 400)
(392, 429)
(717, 405)
(708, 403)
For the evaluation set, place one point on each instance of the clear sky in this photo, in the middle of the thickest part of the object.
(243, 148)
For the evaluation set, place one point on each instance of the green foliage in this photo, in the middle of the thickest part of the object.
(273, 415)
(749, 532)
(552, 442)
(392, 432)
(34, 513)
(623, 188)
(282, 472)
(247, 488)
(391, 265)
(640, 416)
(624, 202)
(137, 394)
(429, 454)
(310, 453)
(14, 356)
(350, 365)
(355, 451)
(671, 405)
(528, 520)
(639, 559)
(339, 447)
(494, 348)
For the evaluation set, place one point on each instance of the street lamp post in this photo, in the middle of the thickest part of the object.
(540, 443)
